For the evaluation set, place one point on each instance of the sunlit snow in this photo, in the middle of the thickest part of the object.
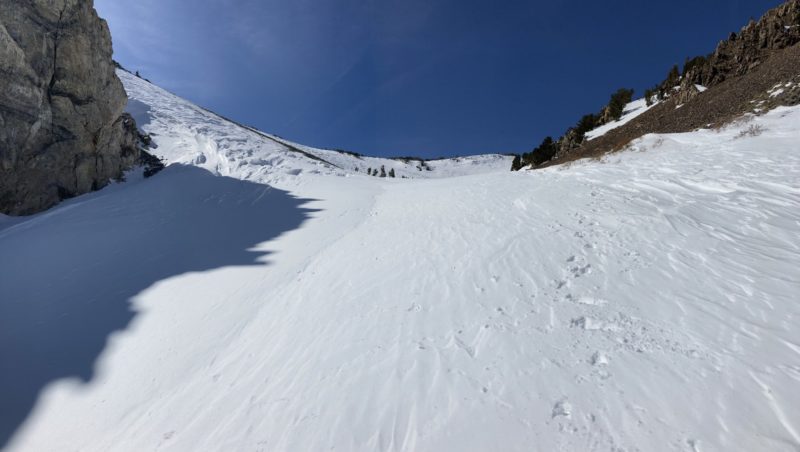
(252, 298)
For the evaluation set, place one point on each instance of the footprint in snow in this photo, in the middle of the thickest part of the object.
(599, 359)
(590, 324)
(590, 301)
(562, 408)
(579, 271)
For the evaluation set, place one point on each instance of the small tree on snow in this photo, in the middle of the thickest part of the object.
(516, 165)
(391, 172)
(383, 171)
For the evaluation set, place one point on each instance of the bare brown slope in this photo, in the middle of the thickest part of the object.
(718, 105)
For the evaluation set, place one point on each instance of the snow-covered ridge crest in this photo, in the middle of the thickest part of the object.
(188, 134)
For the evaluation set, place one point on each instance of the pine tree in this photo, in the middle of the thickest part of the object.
(391, 172)
(648, 96)
(692, 64)
(545, 152)
(587, 123)
(383, 171)
(516, 165)
(619, 100)
(673, 80)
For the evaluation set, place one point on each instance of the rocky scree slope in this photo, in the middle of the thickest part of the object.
(776, 82)
(741, 76)
(62, 127)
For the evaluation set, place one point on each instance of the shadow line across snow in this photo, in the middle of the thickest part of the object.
(68, 276)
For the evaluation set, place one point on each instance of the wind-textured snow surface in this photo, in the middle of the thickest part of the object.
(647, 301)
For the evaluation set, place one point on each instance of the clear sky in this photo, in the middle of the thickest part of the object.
(414, 77)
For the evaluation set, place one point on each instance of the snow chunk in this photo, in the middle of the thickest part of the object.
(562, 408)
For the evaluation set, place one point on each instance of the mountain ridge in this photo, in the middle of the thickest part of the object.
(763, 47)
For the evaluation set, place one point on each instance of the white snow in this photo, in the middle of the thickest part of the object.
(648, 301)
(631, 111)
(188, 134)
(780, 88)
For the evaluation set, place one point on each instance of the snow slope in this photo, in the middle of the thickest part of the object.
(647, 301)
(188, 134)
(629, 113)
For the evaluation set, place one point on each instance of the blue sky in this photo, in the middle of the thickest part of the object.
(413, 77)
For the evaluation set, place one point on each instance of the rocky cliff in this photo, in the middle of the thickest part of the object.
(62, 127)
(778, 29)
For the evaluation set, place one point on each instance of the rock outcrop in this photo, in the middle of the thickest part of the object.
(569, 141)
(62, 127)
(778, 29)
(687, 91)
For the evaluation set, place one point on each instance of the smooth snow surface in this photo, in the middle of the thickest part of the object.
(648, 301)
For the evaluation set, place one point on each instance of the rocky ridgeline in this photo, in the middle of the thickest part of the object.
(768, 41)
(778, 29)
(62, 127)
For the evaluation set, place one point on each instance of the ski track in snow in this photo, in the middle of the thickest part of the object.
(647, 301)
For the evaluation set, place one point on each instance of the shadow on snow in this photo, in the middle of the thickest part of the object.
(67, 276)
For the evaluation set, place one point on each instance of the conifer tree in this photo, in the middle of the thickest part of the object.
(648, 96)
(516, 165)
(673, 80)
(619, 100)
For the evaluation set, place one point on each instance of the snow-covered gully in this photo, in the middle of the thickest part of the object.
(647, 301)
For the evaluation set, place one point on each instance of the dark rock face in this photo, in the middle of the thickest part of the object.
(571, 140)
(687, 91)
(62, 128)
(778, 29)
